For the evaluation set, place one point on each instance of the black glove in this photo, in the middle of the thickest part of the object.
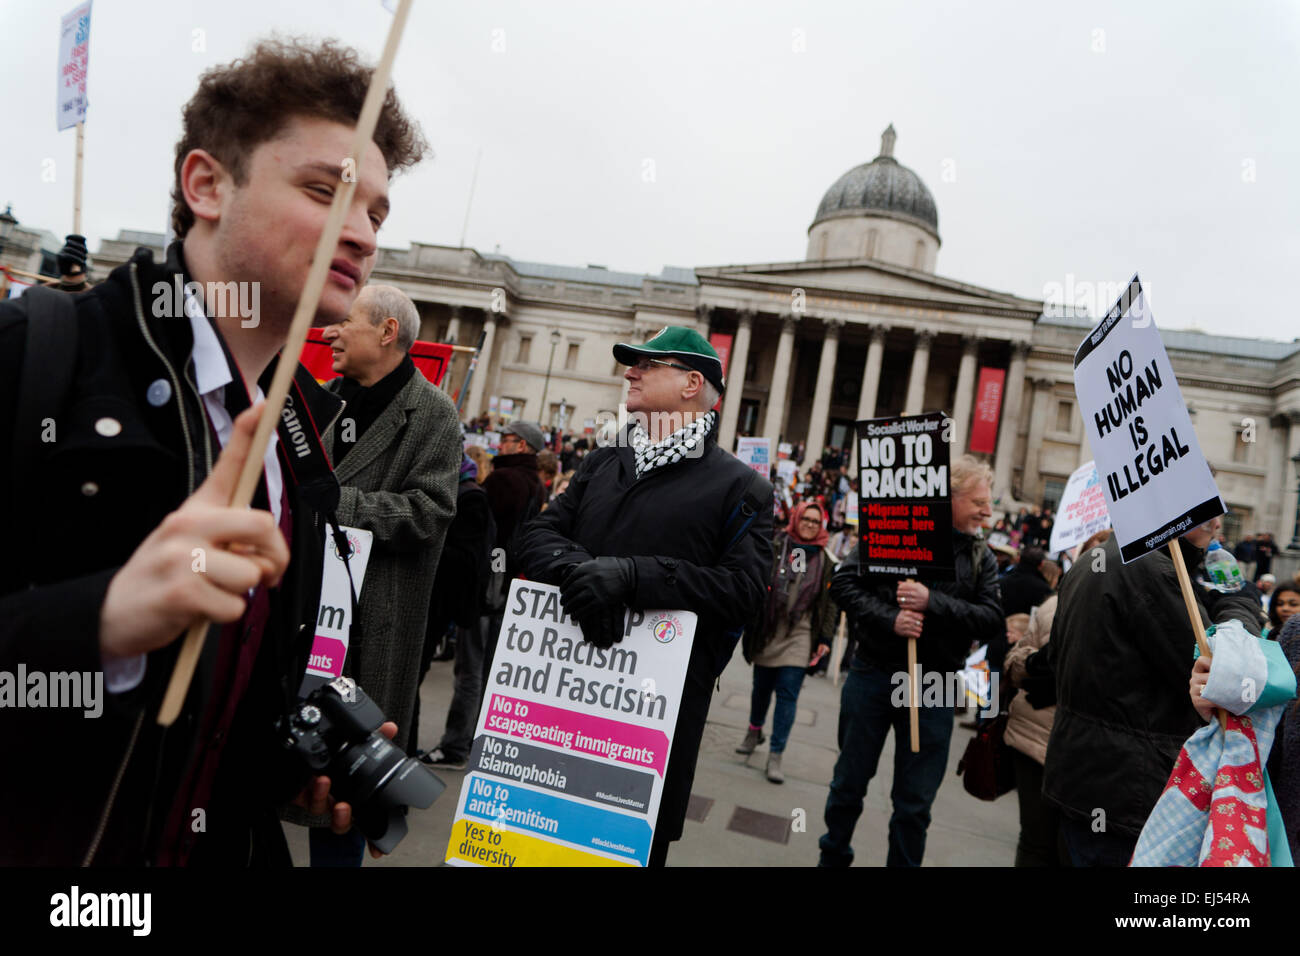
(603, 628)
(598, 584)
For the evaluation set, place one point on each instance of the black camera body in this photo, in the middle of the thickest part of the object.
(335, 731)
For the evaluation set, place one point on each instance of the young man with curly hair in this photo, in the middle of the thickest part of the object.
(136, 541)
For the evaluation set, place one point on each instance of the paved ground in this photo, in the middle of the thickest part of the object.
(964, 831)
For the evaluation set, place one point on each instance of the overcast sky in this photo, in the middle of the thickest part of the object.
(1065, 144)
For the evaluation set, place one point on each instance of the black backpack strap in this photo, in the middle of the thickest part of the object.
(49, 362)
(745, 511)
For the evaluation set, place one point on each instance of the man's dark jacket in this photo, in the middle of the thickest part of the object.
(1023, 589)
(510, 486)
(97, 497)
(1121, 650)
(960, 612)
(673, 523)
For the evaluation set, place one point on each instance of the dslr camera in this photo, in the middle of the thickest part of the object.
(335, 731)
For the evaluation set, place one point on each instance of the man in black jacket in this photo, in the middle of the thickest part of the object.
(134, 540)
(1121, 648)
(944, 618)
(645, 524)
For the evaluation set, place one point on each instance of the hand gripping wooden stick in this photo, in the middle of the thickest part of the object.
(188, 659)
(914, 692)
(1193, 611)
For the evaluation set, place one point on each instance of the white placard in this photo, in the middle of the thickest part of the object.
(1082, 511)
(1156, 482)
(756, 453)
(74, 59)
(334, 618)
(572, 741)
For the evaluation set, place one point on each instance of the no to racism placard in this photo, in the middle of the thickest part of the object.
(1156, 482)
(905, 502)
(1082, 511)
(572, 742)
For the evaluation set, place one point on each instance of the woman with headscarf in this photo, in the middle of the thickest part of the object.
(798, 622)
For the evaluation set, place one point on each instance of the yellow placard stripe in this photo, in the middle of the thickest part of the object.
(477, 843)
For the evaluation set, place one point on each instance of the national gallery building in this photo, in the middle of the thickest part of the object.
(863, 327)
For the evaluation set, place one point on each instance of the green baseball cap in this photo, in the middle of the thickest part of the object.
(676, 341)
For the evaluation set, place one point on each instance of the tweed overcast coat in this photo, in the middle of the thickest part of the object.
(400, 483)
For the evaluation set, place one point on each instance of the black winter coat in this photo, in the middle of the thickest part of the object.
(1121, 650)
(97, 498)
(961, 611)
(673, 523)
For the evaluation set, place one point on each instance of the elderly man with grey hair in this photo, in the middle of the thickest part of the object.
(396, 450)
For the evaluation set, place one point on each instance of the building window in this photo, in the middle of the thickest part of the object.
(525, 348)
(1065, 417)
(821, 246)
(1053, 488)
(571, 360)
(918, 260)
(869, 249)
(1240, 449)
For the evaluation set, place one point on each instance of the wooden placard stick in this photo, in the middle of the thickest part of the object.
(1193, 611)
(914, 692)
(188, 658)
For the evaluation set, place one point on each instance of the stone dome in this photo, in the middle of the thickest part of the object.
(882, 187)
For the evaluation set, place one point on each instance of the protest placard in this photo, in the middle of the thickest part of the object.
(906, 504)
(334, 616)
(786, 470)
(756, 453)
(1082, 510)
(571, 745)
(74, 58)
(1156, 482)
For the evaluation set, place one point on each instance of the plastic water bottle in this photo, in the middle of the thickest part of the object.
(1222, 570)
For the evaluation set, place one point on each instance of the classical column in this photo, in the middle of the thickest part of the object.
(453, 327)
(1289, 495)
(870, 385)
(1279, 479)
(821, 409)
(735, 380)
(782, 372)
(1032, 486)
(1009, 423)
(965, 398)
(920, 368)
(474, 408)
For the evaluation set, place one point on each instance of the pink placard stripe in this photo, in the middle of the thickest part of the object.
(626, 743)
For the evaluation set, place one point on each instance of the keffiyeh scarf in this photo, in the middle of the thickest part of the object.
(674, 448)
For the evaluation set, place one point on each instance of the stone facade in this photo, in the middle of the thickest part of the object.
(819, 344)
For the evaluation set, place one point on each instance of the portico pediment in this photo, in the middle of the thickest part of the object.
(863, 276)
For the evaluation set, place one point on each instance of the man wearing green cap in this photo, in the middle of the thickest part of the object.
(663, 518)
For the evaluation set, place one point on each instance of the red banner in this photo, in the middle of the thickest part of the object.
(721, 343)
(988, 400)
(431, 358)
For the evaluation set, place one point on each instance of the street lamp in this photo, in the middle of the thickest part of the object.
(555, 340)
(7, 224)
(1295, 531)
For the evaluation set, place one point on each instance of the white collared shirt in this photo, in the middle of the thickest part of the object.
(211, 375)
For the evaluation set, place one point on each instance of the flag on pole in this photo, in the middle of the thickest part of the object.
(74, 58)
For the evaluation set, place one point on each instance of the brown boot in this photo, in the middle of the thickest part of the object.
(752, 739)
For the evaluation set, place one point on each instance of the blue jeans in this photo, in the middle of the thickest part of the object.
(332, 849)
(787, 682)
(866, 715)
